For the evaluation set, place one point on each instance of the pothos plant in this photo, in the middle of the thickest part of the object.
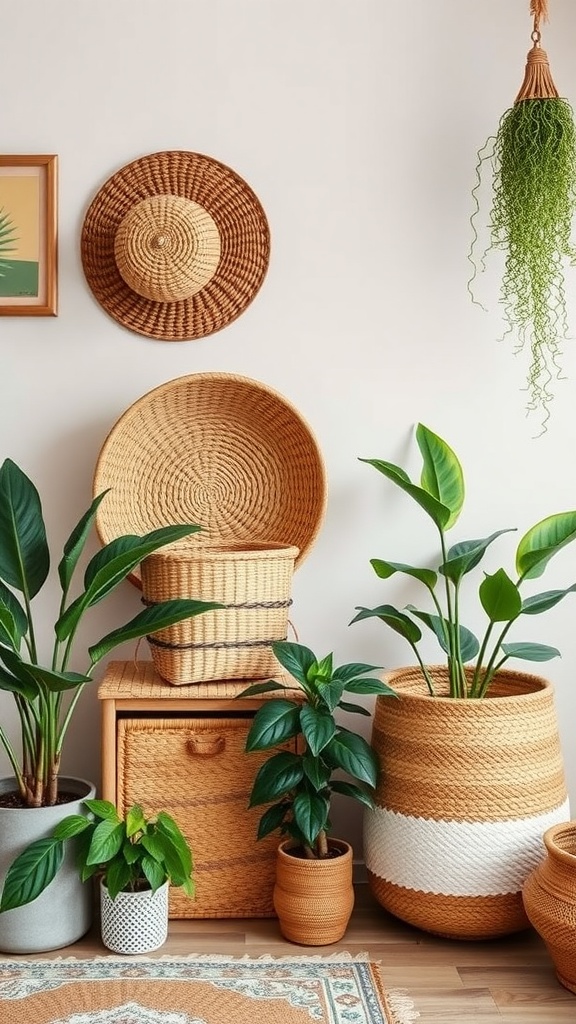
(129, 854)
(46, 693)
(299, 784)
(472, 663)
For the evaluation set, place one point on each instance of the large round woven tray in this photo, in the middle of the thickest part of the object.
(216, 449)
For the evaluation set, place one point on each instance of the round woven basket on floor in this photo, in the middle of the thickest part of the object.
(550, 900)
(223, 451)
(253, 582)
(467, 789)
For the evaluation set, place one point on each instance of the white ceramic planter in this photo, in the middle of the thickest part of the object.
(63, 912)
(135, 922)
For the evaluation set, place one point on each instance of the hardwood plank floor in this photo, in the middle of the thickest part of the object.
(507, 981)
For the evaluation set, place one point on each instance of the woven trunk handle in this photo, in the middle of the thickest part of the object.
(206, 744)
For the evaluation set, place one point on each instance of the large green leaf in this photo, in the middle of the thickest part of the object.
(274, 722)
(58, 682)
(149, 621)
(73, 825)
(272, 819)
(442, 475)
(330, 693)
(310, 814)
(542, 602)
(542, 542)
(166, 826)
(500, 597)
(118, 876)
(375, 686)
(318, 728)
(385, 569)
(276, 777)
(135, 820)
(353, 669)
(352, 753)
(154, 872)
(24, 555)
(466, 555)
(394, 618)
(355, 792)
(21, 670)
(356, 709)
(438, 512)
(468, 643)
(76, 542)
(31, 872)
(103, 809)
(531, 652)
(10, 603)
(107, 840)
(24, 688)
(296, 659)
(316, 771)
(258, 688)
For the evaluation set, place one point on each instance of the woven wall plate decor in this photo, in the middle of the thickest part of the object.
(175, 245)
(223, 451)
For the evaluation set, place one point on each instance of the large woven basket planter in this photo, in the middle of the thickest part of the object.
(314, 898)
(550, 900)
(253, 582)
(467, 789)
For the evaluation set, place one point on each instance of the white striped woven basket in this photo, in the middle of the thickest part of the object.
(467, 789)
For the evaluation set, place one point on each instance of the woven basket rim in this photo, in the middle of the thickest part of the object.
(293, 462)
(536, 686)
(233, 552)
(553, 841)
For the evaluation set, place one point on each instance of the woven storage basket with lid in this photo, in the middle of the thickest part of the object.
(252, 581)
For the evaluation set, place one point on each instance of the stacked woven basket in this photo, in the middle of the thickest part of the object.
(233, 456)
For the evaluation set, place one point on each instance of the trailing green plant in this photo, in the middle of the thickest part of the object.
(299, 784)
(472, 663)
(532, 161)
(46, 695)
(7, 239)
(129, 854)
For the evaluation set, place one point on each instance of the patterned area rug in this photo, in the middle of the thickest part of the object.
(337, 989)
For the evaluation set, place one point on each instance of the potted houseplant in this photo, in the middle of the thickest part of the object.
(472, 772)
(46, 693)
(136, 859)
(313, 894)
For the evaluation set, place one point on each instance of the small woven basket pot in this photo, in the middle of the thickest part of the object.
(252, 581)
(550, 900)
(314, 898)
(134, 922)
(467, 789)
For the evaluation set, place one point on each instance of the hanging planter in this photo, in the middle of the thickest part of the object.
(532, 158)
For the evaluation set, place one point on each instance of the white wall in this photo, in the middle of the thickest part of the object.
(357, 124)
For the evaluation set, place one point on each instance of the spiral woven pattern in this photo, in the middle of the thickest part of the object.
(222, 451)
(239, 222)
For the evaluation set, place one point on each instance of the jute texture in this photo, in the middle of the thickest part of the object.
(550, 900)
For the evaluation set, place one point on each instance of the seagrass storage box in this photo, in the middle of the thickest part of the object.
(195, 768)
(253, 583)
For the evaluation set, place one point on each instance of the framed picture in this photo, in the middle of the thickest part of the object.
(28, 235)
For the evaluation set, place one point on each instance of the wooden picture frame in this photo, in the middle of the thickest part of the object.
(28, 235)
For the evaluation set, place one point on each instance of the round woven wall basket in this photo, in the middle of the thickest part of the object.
(222, 451)
(467, 789)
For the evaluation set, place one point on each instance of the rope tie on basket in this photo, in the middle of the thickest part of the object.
(538, 82)
(245, 604)
(214, 646)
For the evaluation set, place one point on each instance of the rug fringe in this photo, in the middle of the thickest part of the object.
(401, 1007)
(342, 957)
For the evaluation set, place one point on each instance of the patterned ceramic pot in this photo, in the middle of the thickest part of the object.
(467, 789)
(134, 922)
(314, 898)
(550, 900)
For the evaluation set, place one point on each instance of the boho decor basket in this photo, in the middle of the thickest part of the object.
(252, 581)
(549, 896)
(223, 451)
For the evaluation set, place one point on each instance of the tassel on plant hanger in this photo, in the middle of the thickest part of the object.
(533, 160)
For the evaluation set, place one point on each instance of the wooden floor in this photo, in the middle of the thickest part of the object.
(508, 980)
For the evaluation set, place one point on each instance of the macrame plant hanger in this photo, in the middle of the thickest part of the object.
(532, 159)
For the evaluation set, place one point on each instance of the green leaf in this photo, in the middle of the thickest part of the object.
(442, 475)
(531, 652)
(135, 820)
(354, 755)
(150, 621)
(543, 602)
(154, 872)
(315, 771)
(296, 659)
(58, 682)
(321, 671)
(117, 877)
(25, 688)
(466, 555)
(131, 852)
(386, 569)
(439, 513)
(468, 643)
(256, 688)
(277, 720)
(330, 693)
(357, 709)
(369, 686)
(310, 814)
(542, 542)
(166, 825)
(103, 809)
(272, 819)
(276, 777)
(31, 872)
(397, 621)
(15, 626)
(318, 728)
(107, 840)
(154, 845)
(500, 597)
(71, 826)
(20, 670)
(346, 673)
(117, 559)
(356, 792)
(75, 544)
(24, 555)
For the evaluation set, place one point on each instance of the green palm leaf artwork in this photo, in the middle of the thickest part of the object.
(7, 239)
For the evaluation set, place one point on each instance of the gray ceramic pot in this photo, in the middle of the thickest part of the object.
(63, 912)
